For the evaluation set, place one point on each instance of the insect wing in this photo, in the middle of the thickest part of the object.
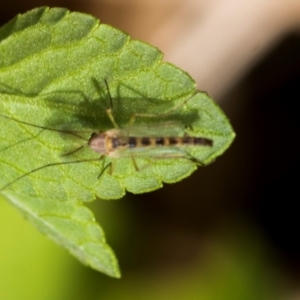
(154, 152)
(160, 129)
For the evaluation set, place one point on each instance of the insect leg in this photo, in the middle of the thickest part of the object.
(173, 109)
(46, 166)
(109, 165)
(73, 151)
(43, 127)
(109, 110)
(135, 164)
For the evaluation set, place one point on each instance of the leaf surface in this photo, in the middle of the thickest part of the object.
(53, 69)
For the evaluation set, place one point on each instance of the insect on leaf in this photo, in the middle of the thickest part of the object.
(64, 76)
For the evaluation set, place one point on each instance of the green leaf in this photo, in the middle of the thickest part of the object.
(54, 66)
(73, 226)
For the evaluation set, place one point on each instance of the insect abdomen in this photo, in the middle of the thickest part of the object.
(142, 142)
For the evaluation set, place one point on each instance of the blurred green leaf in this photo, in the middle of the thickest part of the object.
(53, 68)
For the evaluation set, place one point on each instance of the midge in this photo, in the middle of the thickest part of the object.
(113, 143)
(131, 142)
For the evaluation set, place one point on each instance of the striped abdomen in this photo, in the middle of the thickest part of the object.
(141, 142)
(110, 142)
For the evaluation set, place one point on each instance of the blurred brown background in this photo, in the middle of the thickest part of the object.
(230, 231)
